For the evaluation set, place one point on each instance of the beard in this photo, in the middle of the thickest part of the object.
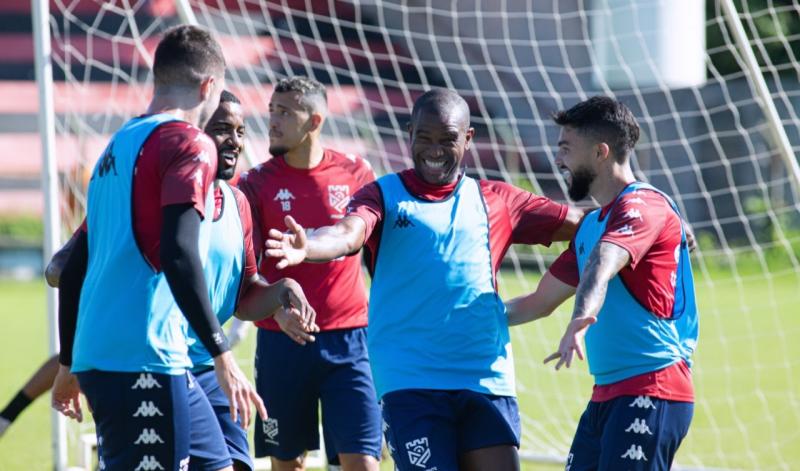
(276, 150)
(582, 179)
(225, 173)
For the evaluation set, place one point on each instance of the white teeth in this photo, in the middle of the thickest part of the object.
(434, 164)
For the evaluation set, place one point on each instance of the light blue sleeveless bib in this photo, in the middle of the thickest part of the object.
(435, 319)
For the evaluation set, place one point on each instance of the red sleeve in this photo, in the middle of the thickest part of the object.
(534, 218)
(250, 266)
(367, 204)
(635, 223)
(365, 174)
(187, 165)
(565, 268)
(250, 190)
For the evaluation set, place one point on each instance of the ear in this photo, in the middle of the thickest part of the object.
(468, 138)
(207, 87)
(603, 151)
(316, 121)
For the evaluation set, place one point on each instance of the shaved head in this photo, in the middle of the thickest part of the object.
(443, 103)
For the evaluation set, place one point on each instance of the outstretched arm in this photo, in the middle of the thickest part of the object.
(327, 243)
(284, 300)
(605, 261)
(549, 294)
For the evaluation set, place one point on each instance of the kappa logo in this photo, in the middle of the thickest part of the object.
(270, 429)
(146, 381)
(642, 402)
(402, 220)
(634, 453)
(581, 249)
(569, 462)
(101, 465)
(108, 162)
(202, 157)
(418, 452)
(625, 230)
(639, 426)
(634, 213)
(285, 197)
(147, 409)
(148, 437)
(184, 464)
(339, 196)
(149, 463)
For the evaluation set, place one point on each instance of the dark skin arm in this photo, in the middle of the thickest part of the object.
(327, 243)
(605, 261)
(52, 274)
(284, 300)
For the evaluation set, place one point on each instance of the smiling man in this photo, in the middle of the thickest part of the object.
(438, 335)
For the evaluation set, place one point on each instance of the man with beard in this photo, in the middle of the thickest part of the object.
(136, 270)
(331, 368)
(630, 270)
(438, 334)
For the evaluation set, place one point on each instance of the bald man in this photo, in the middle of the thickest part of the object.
(438, 333)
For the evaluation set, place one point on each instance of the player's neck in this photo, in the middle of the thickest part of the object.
(606, 188)
(306, 156)
(177, 106)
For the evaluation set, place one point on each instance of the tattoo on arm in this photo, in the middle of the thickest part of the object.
(605, 261)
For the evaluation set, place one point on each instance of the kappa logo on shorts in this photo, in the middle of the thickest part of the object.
(101, 465)
(148, 437)
(184, 464)
(642, 402)
(147, 409)
(149, 463)
(270, 429)
(146, 381)
(418, 452)
(634, 453)
(639, 426)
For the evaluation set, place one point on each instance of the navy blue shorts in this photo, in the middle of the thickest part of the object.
(431, 429)
(235, 437)
(141, 419)
(630, 433)
(293, 379)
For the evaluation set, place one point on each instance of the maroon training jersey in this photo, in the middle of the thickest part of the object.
(314, 198)
(644, 224)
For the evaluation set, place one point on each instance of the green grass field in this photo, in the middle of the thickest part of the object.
(747, 376)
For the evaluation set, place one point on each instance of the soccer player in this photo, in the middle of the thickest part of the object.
(630, 270)
(139, 266)
(438, 335)
(314, 185)
(38, 384)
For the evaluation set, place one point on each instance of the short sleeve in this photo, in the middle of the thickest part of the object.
(187, 165)
(635, 222)
(534, 219)
(367, 204)
(565, 268)
(249, 189)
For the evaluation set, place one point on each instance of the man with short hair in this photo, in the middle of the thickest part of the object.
(138, 265)
(438, 336)
(629, 267)
(331, 368)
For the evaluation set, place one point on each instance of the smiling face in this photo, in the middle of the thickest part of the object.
(576, 160)
(438, 141)
(226, 129)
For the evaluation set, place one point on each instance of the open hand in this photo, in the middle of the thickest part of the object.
(571, 341)
(290, 247)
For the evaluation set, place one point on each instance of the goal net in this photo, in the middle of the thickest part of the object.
(713, 84)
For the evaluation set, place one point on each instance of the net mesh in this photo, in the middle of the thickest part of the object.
(706, 141)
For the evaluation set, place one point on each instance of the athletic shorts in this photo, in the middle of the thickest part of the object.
(431, 429)
(235, 436)
(631, 433)
(293, 379)
(144, 421)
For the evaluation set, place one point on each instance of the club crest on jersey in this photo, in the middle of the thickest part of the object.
(338, 196)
